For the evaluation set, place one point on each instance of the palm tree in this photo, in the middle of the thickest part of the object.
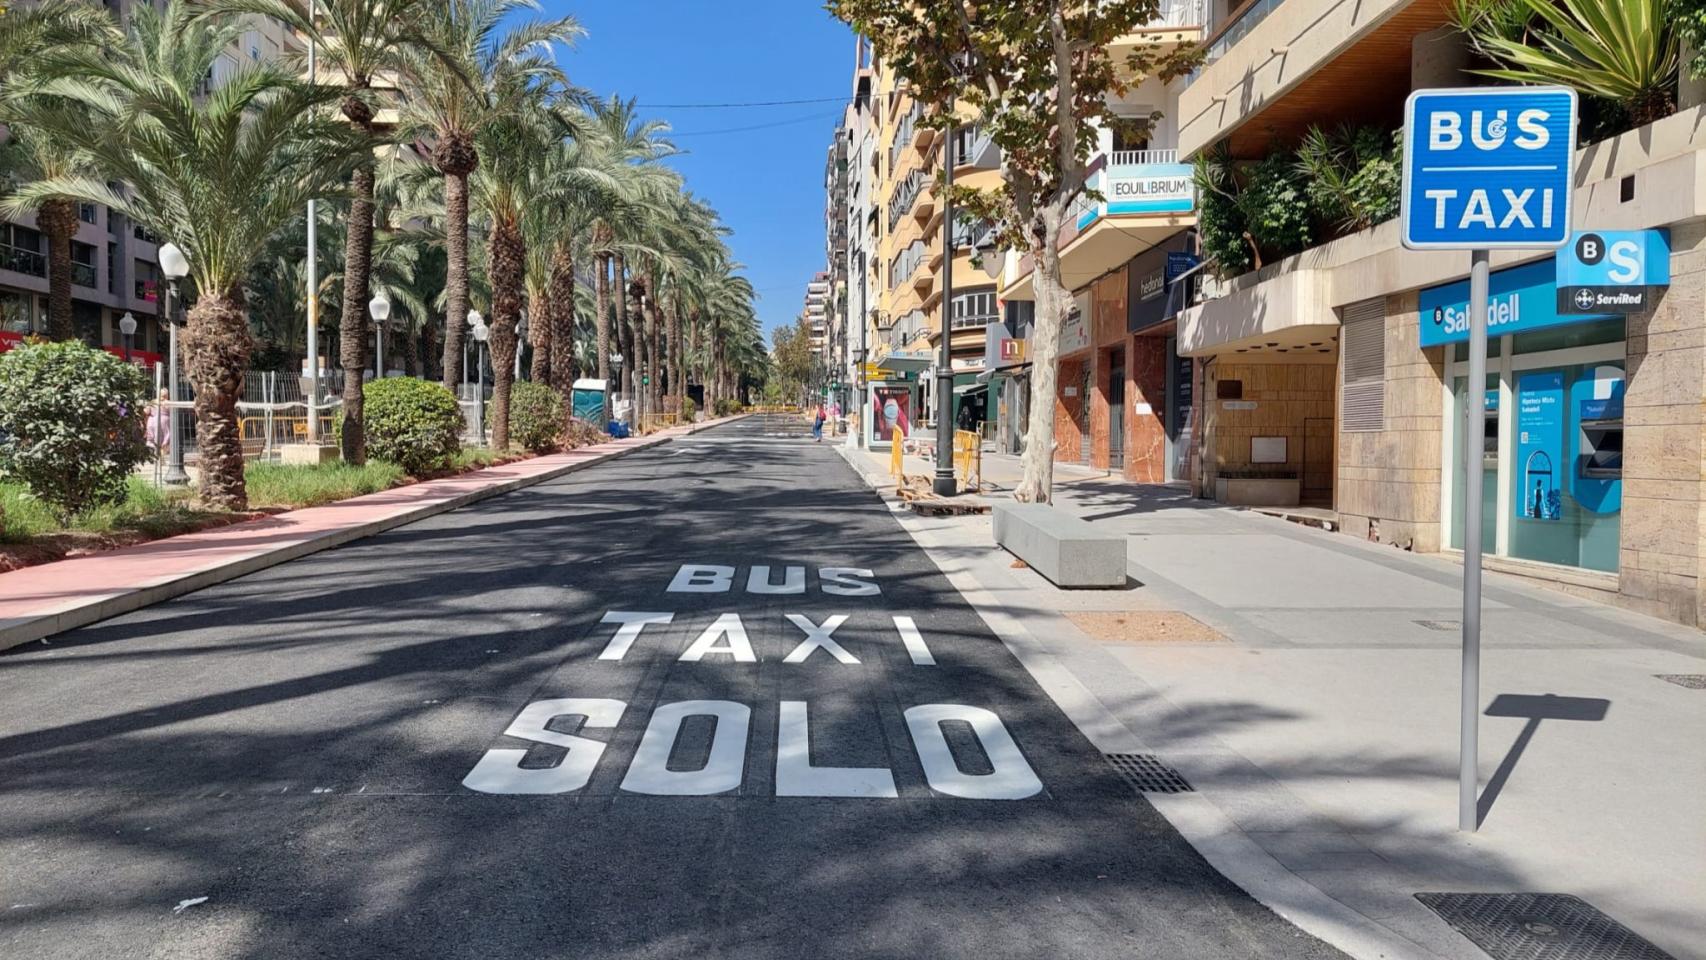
(34, 154)
(218, 173)
(50, 24)
(362, 40)
(636, 144)
(468, 80)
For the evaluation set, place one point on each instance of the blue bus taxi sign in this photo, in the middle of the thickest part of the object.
(1488, 167)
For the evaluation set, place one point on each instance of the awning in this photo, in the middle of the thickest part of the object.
(905, 362)
(970, 388)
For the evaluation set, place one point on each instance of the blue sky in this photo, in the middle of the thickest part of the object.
(767, 183)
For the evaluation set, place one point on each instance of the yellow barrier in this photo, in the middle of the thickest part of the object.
(256, 437)
(658, 421)
(968, 459)
(897, 453)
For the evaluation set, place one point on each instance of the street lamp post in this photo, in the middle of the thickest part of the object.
(944, 485)
(127, 326)
(379, 308)
(175, 266)
(481, 332)
(520, 341)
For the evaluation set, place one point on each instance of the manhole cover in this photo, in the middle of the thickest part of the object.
(1693, 681)
(1145, 773)
(1143, 626)
(1445, 626)
(1539, 926)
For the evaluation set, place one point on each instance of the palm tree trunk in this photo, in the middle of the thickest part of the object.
(601, 288)
(560, 313)
(508, 259)
(654, 358)
(57, 219)
(677, 357)
(630, 352)
(539, 333)
(352, 325)
(216, 345)
(455, 276)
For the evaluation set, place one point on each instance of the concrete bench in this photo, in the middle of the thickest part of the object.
(1058, 545)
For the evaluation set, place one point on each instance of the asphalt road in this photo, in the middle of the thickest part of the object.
(313, 761)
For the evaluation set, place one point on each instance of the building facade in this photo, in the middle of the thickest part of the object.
(1337, 376)
(115, 266)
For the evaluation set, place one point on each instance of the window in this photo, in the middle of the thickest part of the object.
(21, 250)
(975, 309)
(147, 280)
(1130, 133)
(1363, 403)
(112, 267)
(82, 264)
(86, 212)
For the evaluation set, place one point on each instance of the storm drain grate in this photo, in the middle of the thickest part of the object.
(1693, 681)
(1444, 626)
(1145, 773)
(1539, 926)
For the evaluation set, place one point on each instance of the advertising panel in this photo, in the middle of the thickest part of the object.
(1539, 444)
(893, 408)
(1518, 300)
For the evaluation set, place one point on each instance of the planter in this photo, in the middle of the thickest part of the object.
(1254, 492)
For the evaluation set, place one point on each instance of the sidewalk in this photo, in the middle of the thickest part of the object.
(1306, 683)
(39, 601)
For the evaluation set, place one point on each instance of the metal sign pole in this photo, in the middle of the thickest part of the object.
(1474, 454)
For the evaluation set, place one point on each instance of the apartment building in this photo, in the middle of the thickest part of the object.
(816, 310)
(835, 182)
(1125, 395)
(1333, 377)
(115, 267)
(858, 132)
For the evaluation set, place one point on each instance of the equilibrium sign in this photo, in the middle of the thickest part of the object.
(1488, 167)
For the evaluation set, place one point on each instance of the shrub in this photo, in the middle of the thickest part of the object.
(71, 424)
(412, 423)
(727, 407)
(1353, 175)
(535, 416)
(688, 409)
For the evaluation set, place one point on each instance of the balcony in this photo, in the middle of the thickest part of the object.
(83, 274)
(1275, 69)
(1177, 22)
(23, 261)
(1146, 196)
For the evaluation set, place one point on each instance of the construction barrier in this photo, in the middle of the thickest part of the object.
(263, 435)
(968, 459)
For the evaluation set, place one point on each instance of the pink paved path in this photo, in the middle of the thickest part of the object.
(40, 601)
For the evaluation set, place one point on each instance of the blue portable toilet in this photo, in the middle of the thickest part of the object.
(592, 402)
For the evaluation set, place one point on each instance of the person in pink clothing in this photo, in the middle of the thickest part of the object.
(157, 430)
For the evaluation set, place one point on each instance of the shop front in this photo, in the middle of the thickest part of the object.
(1075, 384)
(1159, 381)
(1552, 439)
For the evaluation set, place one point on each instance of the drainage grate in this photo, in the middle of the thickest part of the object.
(1445, 626)
(1693, 681)
(1539, 926)
(1145, 773)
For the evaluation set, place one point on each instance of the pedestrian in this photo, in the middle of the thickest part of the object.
(817, 424)
(157, 430)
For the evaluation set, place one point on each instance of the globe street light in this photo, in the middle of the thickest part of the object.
(127, 326)
(379, 308)
(175, 266)
(481, 332)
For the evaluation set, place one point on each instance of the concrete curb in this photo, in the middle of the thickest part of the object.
(1198, 819)
(81, 613)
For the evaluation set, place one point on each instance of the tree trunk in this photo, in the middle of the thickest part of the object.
(414, 363)
(352, 325)
(560, 312)
(57, 219)
(1036, 465)
(539, 334)
(508, 266)
(677, 357)
(455, 276)
(216, 345)
(630, 350)
(601, 322)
